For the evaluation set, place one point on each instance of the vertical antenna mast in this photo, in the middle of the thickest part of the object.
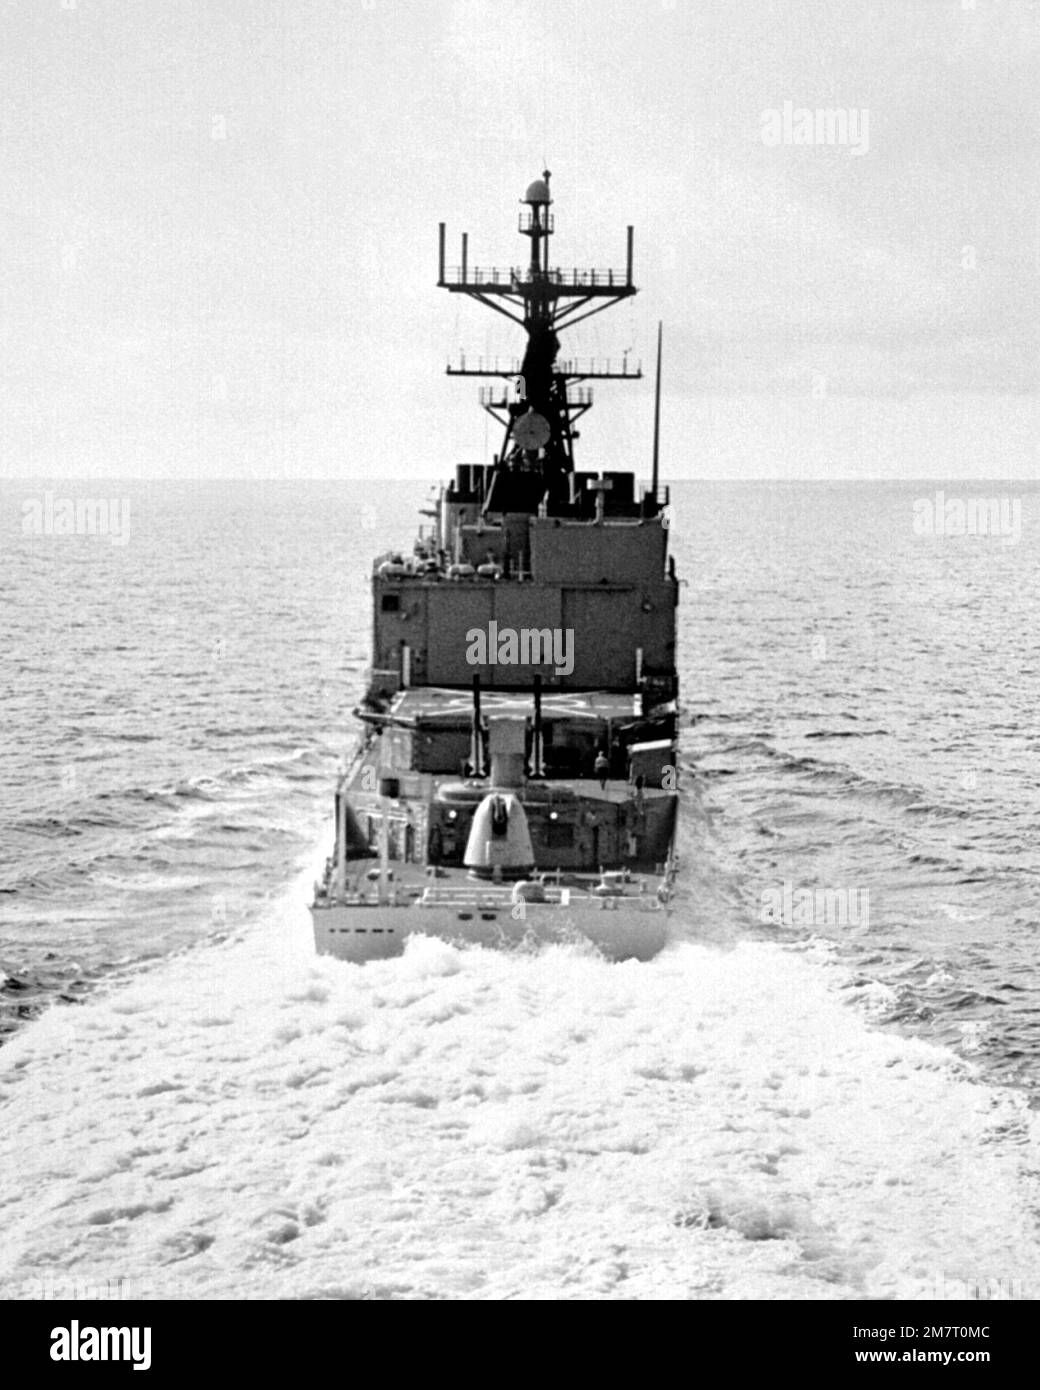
(549, 395)
(657, 413)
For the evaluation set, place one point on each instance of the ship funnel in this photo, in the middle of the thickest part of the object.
(499, 844)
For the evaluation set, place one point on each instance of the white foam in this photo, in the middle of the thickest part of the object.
(249, 1121)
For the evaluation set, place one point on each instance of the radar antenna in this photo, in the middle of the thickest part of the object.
(541, 397)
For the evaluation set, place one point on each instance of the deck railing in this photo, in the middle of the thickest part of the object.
(518, 277)
(624, 367)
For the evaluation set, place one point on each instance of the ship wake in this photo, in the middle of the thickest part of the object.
(247, 1121)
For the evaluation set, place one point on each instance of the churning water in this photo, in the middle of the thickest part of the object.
(763, 1111)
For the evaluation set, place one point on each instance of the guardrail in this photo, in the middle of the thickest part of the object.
(572, 366)
(599, 366)
(519, 277)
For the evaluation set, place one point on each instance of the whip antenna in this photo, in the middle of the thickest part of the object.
(657, 412)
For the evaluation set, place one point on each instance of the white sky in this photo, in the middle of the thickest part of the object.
(265, 304)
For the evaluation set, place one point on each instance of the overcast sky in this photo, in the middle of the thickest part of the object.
(220, 230)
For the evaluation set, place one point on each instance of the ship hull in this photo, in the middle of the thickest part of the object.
(618, 929)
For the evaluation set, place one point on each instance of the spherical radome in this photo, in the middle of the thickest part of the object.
(537, 192)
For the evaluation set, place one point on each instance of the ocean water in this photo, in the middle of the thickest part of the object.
(862, 698)
(174, 710)
(839, 1105)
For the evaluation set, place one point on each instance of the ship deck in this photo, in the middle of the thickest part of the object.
(422, 786)
(451, 704)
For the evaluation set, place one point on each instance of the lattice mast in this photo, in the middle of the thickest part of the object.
(541, 397)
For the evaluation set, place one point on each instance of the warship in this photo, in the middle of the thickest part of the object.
(515, 776)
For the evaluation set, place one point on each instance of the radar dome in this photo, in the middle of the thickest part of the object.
(537, 192)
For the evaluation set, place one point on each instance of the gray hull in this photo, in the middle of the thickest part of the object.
(620, 929)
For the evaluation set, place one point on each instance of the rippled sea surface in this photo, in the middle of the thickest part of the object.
(857, 718)
(173, 711)
(863, 701)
